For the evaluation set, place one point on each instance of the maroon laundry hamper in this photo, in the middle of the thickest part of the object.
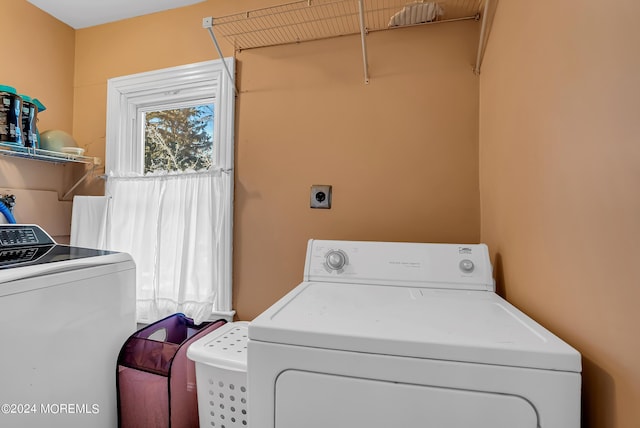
(156, 381)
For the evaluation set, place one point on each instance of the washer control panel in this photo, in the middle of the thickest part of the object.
(399, 263)
(466, 266)
(21, 235)
(336, 261)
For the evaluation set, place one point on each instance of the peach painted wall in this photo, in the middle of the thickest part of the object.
(401, 152)
(38, 60)
(559, 161)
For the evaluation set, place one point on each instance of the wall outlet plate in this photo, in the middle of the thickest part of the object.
(320, 196)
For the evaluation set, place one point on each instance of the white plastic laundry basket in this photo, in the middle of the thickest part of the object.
(221, 376)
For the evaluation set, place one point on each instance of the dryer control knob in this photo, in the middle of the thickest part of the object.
(466, 266)
(336, 260)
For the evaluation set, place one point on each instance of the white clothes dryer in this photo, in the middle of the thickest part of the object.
(384, 334)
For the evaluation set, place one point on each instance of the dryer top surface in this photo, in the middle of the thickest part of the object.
(453, 325)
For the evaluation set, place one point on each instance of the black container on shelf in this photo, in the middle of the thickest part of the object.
(29, 122)
(10, 116)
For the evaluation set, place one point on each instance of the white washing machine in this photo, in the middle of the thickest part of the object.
(65, 313)
(386, 335)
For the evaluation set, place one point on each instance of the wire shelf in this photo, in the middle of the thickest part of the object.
(308, 20)
(15, 151)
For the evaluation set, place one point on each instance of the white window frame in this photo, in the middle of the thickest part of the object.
(128, 96)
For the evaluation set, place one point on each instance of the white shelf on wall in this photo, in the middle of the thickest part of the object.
(16, 151)
(304, 20)
(308, 20)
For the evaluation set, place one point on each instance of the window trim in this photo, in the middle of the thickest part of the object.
(126, 95)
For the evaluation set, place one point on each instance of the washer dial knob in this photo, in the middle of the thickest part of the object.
(336, 260)
(466, 266)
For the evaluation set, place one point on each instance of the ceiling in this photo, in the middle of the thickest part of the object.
(87, 13)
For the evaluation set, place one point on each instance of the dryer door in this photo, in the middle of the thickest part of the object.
(315, 400)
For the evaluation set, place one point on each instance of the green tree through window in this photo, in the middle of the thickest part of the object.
(179, 139)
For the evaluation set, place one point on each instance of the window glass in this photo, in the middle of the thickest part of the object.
(179, 139)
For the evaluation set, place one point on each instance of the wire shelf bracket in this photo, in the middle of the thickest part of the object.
(15, 151)
(482, 41)
(308, 20)
(207, 23)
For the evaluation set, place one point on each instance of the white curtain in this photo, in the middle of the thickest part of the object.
(171, 225)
